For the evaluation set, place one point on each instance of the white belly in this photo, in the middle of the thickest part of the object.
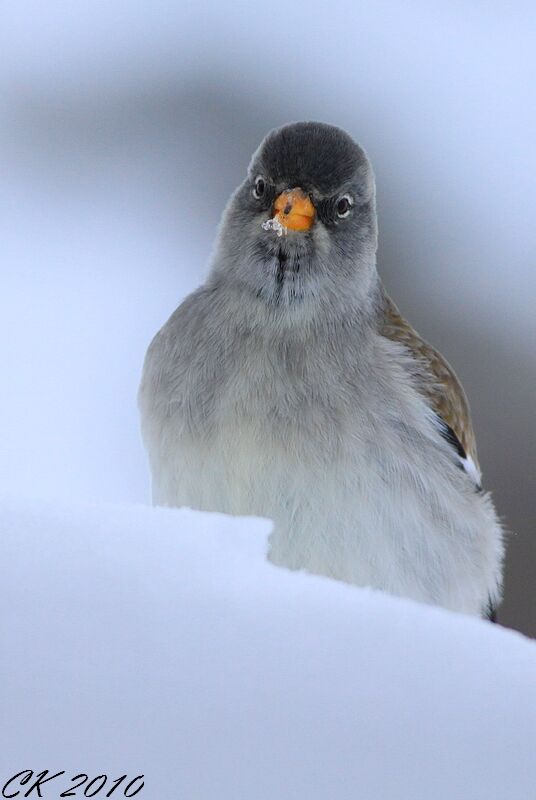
(354, 519)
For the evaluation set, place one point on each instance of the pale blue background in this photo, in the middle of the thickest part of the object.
(125, 126)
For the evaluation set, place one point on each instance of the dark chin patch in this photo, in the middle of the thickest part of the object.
(287, 271)
(282, 262)
(283, 285)
(280, 275)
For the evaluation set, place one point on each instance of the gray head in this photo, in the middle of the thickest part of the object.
(301, 228)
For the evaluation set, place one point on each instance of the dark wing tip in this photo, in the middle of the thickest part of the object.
(449, 435)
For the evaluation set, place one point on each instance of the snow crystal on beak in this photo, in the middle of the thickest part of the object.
(274, 225)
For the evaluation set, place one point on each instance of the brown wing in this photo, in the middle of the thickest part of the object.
(443, 390)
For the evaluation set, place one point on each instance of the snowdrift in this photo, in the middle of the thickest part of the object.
(160, 642)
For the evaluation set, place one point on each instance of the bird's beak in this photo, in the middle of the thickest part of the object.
(294, 210)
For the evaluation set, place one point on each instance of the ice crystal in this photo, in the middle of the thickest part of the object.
(274, 225)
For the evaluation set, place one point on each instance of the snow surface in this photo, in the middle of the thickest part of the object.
(161, 642)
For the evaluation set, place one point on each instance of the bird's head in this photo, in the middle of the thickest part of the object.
(302, 226)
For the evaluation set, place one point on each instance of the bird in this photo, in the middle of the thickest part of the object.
(290, 386)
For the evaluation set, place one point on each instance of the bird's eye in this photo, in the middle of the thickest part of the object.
(259, 188)
(344, 205)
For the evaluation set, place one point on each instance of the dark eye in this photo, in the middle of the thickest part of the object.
(258, 189)
(344, 204)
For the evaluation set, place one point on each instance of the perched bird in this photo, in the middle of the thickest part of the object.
(289, 386)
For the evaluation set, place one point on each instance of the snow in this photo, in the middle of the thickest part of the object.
(162, 642)
(275, 225)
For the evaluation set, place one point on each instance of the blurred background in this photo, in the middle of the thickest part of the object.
(124, 127)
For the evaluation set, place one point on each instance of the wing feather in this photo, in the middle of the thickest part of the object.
(441, 387)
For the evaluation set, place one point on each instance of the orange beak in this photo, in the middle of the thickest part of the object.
(294, 210)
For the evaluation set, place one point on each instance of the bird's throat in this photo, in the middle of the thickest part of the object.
(281, 266)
